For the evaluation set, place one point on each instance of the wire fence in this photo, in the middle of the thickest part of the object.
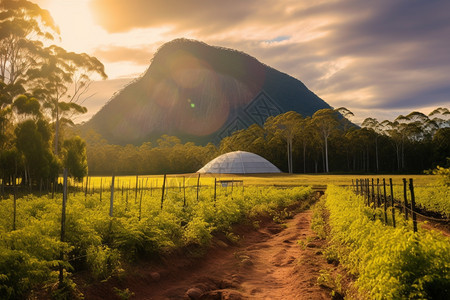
(380, 194)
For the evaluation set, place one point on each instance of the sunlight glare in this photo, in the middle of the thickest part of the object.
(75, 21)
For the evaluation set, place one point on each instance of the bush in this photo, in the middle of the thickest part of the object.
(391, 263)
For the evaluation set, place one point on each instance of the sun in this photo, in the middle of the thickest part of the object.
(75, 20)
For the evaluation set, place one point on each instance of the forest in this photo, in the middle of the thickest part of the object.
(325, 142)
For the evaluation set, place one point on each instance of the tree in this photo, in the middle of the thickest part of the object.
(377, 128)
(27, 107)
(285, 125)
(325, 121)
(33, 142)
(61, 82)
(441, 146)
(75, 159)
(441, 117)
(23, 28)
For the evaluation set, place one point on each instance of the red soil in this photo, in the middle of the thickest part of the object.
(267, 263)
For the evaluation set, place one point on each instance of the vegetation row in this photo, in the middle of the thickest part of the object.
(30, 245)
(388, 262)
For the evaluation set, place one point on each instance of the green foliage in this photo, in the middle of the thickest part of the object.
(444, 175)
(317, 220)
(33, 142)
(27, 105)
(102, 261)
(197, 231)
(432, 197)
(123, 294)
(75, 159)
(29, 256)
(391, 263)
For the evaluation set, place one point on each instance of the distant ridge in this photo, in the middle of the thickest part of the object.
(200, 93)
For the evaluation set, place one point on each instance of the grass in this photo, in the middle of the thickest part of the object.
(282, 179)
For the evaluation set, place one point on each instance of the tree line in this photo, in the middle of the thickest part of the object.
(325, 142)
(42, 86)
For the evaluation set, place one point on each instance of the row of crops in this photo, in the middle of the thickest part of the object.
(388, 262)
(31, 252)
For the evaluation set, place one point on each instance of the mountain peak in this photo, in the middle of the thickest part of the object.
(200, 93)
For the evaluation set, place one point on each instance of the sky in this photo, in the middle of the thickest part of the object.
(377, 58)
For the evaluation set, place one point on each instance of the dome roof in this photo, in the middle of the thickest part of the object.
(239, 162)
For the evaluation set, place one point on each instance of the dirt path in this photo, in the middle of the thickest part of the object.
(267, 263)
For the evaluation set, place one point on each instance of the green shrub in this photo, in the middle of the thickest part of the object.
(391, 263)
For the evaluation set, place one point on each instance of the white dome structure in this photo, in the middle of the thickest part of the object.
(239, 162)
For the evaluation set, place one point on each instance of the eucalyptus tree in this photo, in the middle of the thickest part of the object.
(287, 126)
(33, 143)
(304, 134)
(441, 146)
(27, 107)
(61, 82)
(75, 159)
(24, 27)
(440, 117)
(325, 121)
(395, 130)
(378, 129)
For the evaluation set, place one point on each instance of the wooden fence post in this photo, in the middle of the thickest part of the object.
(215, 191)
(162, 192)
(136, 190)
(63, 228)
(357, 187)
(413, 204)
(151, 188)
(184, 191)
(392, 202)
(87, 185)
(405, 198)
(198, 185)
(14, 203)
(384, 201)
(373, 193)
(111, 202)
(368, 191)
(101, 188)
(140, 206)
(378, 193)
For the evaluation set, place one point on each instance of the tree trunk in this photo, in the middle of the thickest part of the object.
(368, 160)
(290, 153)
(403, 155)
(304, 157)
(326, 155)
(376, 154)
(56, 130)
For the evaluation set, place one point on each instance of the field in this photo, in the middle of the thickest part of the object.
(104, 232)
(101, 234)
(281, 179)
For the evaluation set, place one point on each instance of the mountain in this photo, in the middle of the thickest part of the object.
(200, 93)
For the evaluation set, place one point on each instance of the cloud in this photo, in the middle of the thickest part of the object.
(137, 55)
(120, 16)
(380, 54)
